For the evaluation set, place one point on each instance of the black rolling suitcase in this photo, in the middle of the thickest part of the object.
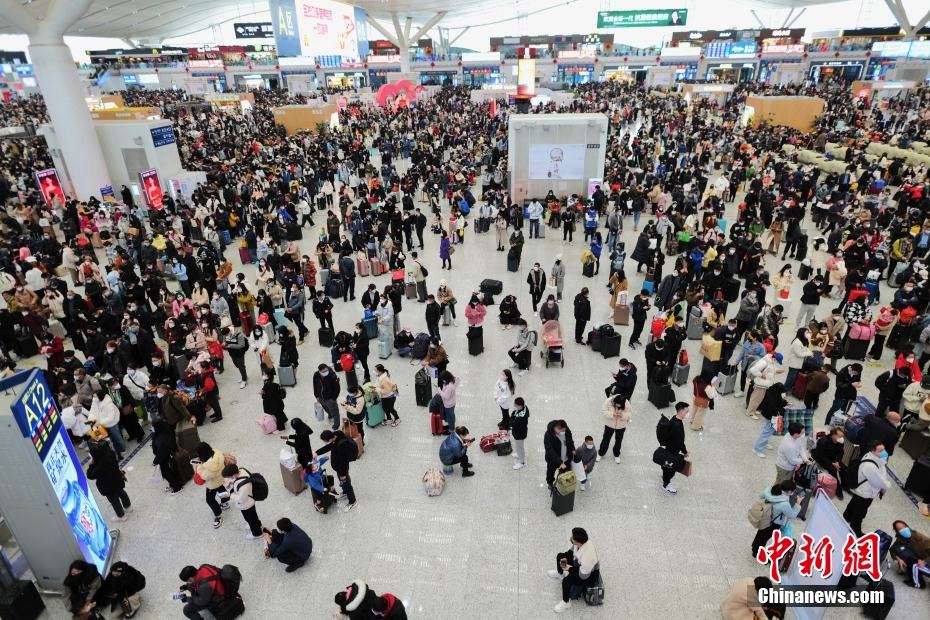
(26, 345)
(918, 481)
(325, 336)
(562, 504)
(182, 465)
(513, 263)
(494, 287)
(856, 349)
(423, 388)
(588, 270)
(731, 290)
(610, 345)
(475, 340)
(877, 611)
(801, 252)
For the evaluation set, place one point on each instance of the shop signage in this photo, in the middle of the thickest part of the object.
(642, 19)
(253, 30)
(162, 136)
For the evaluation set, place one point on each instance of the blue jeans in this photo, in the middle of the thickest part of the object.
(768, 429)
(790, 378)
(116, 436)
(534, 228)
(636, 216)
(612, 240)
(448, 415)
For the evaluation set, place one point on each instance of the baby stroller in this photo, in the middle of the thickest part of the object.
(552, 346)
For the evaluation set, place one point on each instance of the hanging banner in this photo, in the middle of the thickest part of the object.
(647, 18)
(284, 20)
(151, 189)
(50, 185)
(39, 420)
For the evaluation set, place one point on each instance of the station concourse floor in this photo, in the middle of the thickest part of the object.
(482, 548)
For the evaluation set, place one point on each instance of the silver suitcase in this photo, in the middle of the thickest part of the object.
(680, 374)
(286, 376)
(727, 382)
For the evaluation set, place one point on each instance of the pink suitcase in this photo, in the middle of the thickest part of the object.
(376, 267)
(267, 423)
(827, 483)
(362, 266)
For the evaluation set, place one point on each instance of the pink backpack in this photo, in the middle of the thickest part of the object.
(267, 423)
(860, 331)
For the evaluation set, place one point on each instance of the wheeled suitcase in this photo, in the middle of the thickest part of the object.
(286, 376)
(661, 395)
(730, 290)
(182, 465)
(446, 316)
(26, 345)
(362, 266)
(422, 387)
(245, 321)
(799, 389)
(680, 374)
(325, 336)
(916, 443)
(384, 349)
(245, 256)
(180, 364)
(595, 339)
(588, 270)
(376, 267)
(322, 277)
(695, 324)
(727, 381)
(280, 318)
(856, 349)
(271, 331)
(187, 436)
(562, 504)
(55, 328)
(880, 611)
(335, 288)
(610, 345)
(621, 314)
(494, 287)
(435, 423)
(918, 480)
(374, 413)
(293, 479)
(801, 252)
(410, 290)
(475, 340)
(371, 327)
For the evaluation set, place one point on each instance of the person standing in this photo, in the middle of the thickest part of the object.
(503, 396)
(445, 251)
(387, 390)
(288, 544)
(519, 428)
(557, 273)
(326, 390)
(323, 309)
(347, 272)
(638, 310)
(577, 568)
(419, 276)
(295, 309)
(871, 482)
(534, 211)
(559, 449)
(433, 314)
(235, 343)
(616, 412)
(673, 440)
(209, 466)
(273, 395)
(536, 279)
(779, 496)
(791, 454)
(238, 485)
(582, 314)
(110, 480)
(343, 451)
(103, 412)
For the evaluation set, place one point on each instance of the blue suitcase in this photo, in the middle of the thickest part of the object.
(371, 327)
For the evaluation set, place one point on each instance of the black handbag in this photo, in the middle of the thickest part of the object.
(667, 459)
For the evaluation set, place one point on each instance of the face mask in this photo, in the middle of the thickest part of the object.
(534, 269)
(841, 440)
(77, 378)
(561, 435)
(109, 350)
(589, 445)
(716, 273)
(904, 532)
(324, 373)
(156, 364)
(160, 395)
(883, 454)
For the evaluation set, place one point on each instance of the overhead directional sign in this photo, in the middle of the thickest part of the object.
(642, 19)
(253, 30)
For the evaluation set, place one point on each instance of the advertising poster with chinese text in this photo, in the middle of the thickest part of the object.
(151, 188)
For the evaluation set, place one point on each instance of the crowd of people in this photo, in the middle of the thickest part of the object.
(136, 311)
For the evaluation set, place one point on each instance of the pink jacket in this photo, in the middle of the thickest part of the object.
(448, 393)
(475, 315)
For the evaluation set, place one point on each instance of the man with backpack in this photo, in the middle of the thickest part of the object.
(239, 487)
(867, 479)
(773, 510)
(672, 451)
(344, 450)
(211, 588)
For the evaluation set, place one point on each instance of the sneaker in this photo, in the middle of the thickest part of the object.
(217, 521)
(123, 518)
(583, 486)
(562, 606)
(754, 416)
(738, 393)
(519, 465)
(174, 492)
(522, 372)
(397, 422)
(670, 489)
(617, 460)
(349, 507)
(598, 459)
(553, 573)
(251, 536)
(467, 473)
(761, 455)
(242, 385)
(128, 509)
(225, 505)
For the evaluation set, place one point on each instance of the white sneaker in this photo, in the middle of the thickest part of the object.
(598, 459)
(670, 489)
(242, 385)
(249, 536)
(349, 507)
(522, 372)
(562, 606)
(519, 465)
(617, 460)
(738, 393)
(761, 455)
(127, 509)
(553, 573)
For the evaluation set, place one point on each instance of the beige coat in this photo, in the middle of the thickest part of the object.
(742, 603)
(613, 417)
(212, 470)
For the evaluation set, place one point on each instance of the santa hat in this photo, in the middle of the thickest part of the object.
(354, 595)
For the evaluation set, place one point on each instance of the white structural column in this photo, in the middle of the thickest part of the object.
(401, 37)
(910, 30)
(61, 88)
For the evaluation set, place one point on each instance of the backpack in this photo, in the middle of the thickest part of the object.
(259, 486)
(852, 474)
(351, 448)
(662, 428)
(231, 577)
(607, 331)
(434, 482)
(760, 515)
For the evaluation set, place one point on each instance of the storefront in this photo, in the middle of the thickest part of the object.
(733, 72)
(252, 81)
(878, 68)
(303, 75)
(479, 76)
(836, 70)
(218, 79)
(575, 74)
(347, 79)
(683, 70)
(439, 78)
(769, 67)
(379, 77)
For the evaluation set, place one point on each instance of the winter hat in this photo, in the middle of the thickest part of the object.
(779, 357)
(353, 596)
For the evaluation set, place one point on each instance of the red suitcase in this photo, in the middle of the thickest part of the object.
(435, 423)
(245, 255)
(245, 320)
(799, 389)
(488, 442)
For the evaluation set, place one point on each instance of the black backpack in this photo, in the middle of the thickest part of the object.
(662, 429)
(259, 486)
(606, 330)
(350, 447)
(852, 477)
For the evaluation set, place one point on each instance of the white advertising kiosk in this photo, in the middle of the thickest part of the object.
(557, 152)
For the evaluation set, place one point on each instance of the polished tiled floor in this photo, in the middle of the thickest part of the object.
(482, 548)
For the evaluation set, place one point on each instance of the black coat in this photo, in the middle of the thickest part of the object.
(878, 429)
(301, 444)
(273, 398)
(104, 469)
(582, 308)
(675, 438)
(624, 383)
(553, 446)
